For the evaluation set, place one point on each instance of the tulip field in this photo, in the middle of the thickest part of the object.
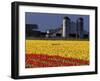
(56, 53)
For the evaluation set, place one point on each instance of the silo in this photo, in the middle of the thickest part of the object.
(79, 31)
(66, 26)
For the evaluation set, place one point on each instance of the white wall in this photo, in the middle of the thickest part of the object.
(5, 40)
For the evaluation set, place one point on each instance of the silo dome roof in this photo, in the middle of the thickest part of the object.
(80, 18)
(67, 18)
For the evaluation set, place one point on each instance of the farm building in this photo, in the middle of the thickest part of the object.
(69, 29)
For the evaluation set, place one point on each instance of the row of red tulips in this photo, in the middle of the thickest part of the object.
(41, 60)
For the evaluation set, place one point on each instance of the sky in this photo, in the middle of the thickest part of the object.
(51, 21)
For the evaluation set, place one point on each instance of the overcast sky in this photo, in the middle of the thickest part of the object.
(51, 21)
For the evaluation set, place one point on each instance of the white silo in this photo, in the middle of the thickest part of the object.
(66, 27)
(80, 27)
